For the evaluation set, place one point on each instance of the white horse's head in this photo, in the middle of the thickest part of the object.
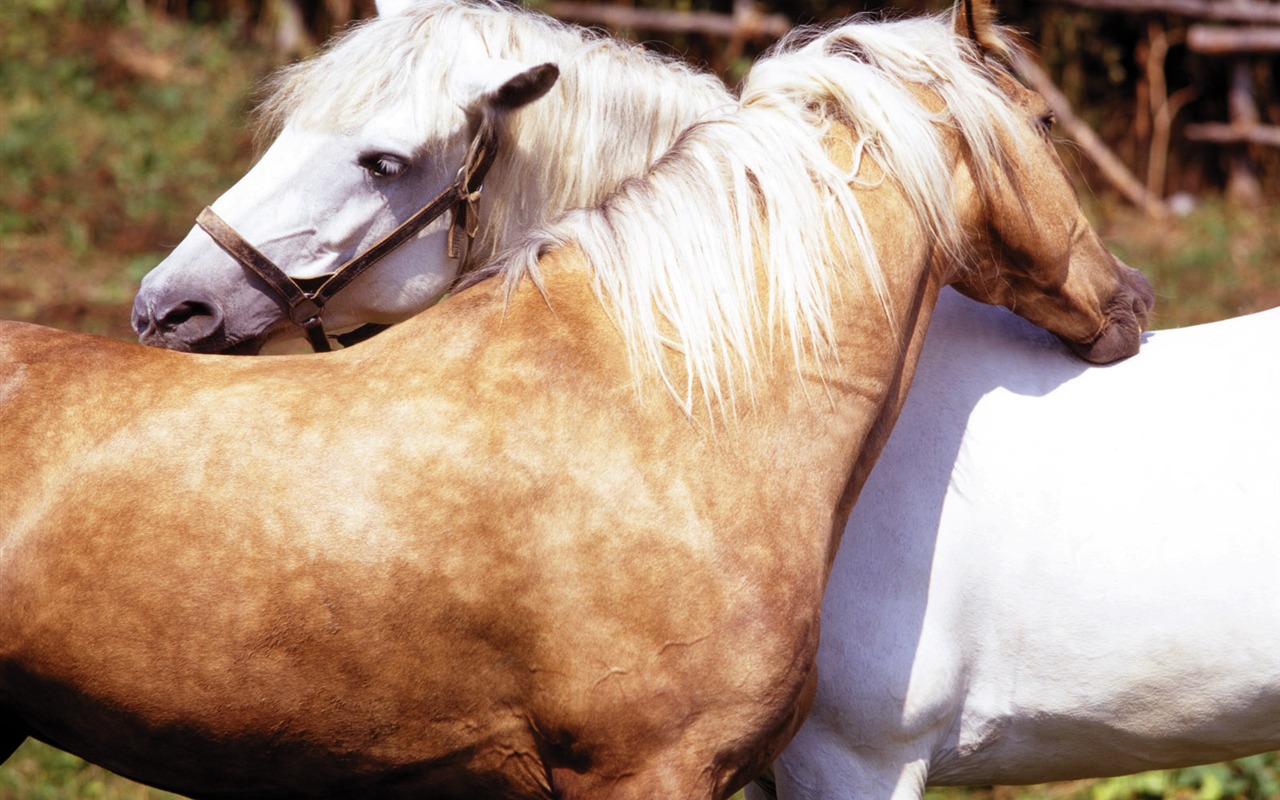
(381, 123)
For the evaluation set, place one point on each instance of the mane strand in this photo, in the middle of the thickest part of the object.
(756, 179)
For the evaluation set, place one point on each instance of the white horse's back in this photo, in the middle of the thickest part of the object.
(1009, 606)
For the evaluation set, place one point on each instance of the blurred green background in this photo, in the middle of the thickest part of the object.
(120, 119)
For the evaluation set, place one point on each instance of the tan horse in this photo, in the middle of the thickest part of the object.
(591, 500)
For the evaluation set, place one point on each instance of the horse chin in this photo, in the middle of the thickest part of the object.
(1118, 341)
(1123, 334)
(208, 346)
(1127, 315)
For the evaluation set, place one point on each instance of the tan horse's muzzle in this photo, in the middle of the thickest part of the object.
(1127, 315)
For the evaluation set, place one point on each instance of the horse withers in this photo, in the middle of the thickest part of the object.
(541, 580)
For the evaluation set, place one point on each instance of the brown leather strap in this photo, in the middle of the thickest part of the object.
(307, 304)
(303, 310)
(365, 331)
(251, 257)
(466, 222)
(459, 196)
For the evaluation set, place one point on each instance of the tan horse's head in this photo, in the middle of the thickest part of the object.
(1033, 251)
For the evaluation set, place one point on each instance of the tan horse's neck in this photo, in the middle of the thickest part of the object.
(822, 426)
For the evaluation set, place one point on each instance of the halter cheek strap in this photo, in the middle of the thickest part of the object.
(306, 304)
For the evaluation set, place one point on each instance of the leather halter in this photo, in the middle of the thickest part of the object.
(307, 296)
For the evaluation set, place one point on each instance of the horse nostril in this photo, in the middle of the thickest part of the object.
(181, 324)
(141, 319)
(184, 312)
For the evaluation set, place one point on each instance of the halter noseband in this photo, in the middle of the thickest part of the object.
(307, 296)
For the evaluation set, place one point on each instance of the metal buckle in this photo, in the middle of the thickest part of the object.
(305, 311)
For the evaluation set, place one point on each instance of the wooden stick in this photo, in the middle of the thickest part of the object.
(1243, 184)
(1164, 106)
(1161, 114)
(1216, 41)
(1236, 11)
(1111, 167)
(1224, 133)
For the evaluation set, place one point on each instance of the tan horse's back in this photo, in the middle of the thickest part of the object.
(389, 620)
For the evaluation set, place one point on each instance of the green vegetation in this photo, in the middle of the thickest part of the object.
(1253, 778)
(114, 124)
(1219, 261)
(39, 772)
(115, 129)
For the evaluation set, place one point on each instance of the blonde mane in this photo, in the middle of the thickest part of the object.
(672, 255)
(614, 111)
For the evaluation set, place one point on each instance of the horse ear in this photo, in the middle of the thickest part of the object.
(525, 87)
(975, 20)
(506, 85)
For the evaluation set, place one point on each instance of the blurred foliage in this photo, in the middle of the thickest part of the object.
(1106, 63)
(39, 772)
(1217, 261)
(114, 122)
(119, 119)
(116, 126)
(1253, 778)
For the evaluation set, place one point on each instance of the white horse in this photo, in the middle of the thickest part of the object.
(1008, 606)
(382, 121)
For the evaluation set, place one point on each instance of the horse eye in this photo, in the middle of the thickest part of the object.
(1047, 120)
(382, 165)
